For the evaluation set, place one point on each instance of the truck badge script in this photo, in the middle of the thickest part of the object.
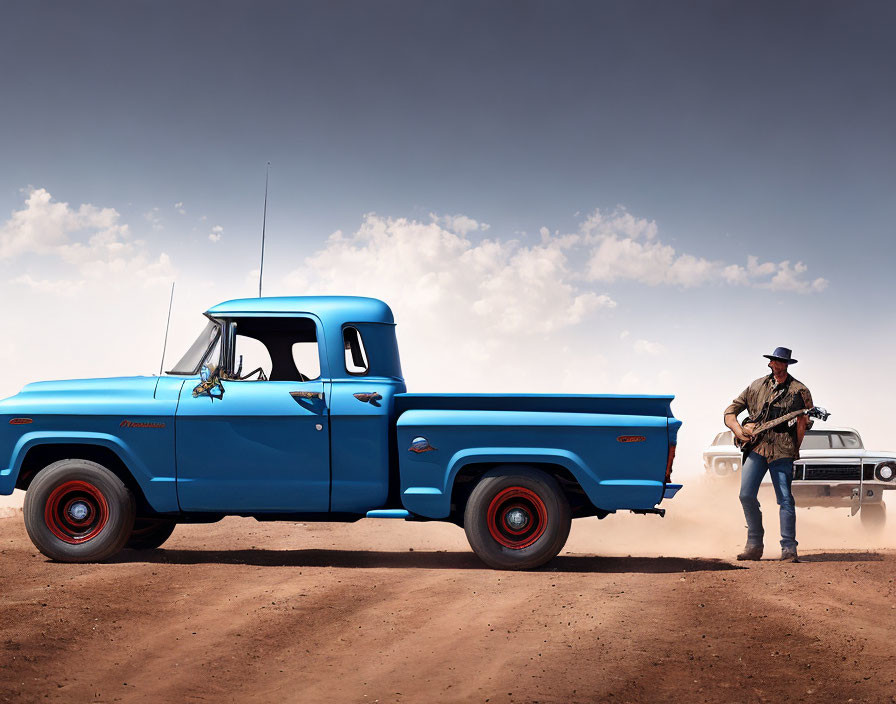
(420, 444)
(631, 438)
(132, 424)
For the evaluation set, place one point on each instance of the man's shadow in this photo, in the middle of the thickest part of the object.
(842, 557)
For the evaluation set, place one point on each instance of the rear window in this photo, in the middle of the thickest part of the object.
(356, 362)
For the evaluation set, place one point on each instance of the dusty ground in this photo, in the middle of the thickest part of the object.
(395, 612)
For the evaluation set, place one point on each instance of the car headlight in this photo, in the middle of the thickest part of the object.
(885, 471)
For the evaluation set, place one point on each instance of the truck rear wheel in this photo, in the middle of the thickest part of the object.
(78, 511)
(517, 518)
(150, 533)
(873, 516)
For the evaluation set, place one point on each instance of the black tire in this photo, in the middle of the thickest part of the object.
(78, 511)
(150, 533)
(517, 518)
(873, 516)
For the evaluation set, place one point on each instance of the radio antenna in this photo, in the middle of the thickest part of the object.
(264, 218)
(167, 325)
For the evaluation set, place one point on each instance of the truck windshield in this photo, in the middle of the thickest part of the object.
(204, 350)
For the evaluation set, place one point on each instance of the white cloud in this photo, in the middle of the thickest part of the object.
(510, 286)
(43, 226)
(459, 224)
(623, 247)
(215, 234)
(651, 349)
(86, 243)
(153, 218)
(179, 207)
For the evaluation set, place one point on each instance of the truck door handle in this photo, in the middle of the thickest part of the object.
(370, 398)
(307, 394)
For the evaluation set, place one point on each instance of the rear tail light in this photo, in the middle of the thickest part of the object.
(669, 463)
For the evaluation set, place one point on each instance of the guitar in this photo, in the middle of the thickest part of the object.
(757, 430)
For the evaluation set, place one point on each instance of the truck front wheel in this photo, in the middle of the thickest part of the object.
(78, 511)
(517, 518)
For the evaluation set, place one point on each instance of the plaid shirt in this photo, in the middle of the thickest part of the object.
(779, 442)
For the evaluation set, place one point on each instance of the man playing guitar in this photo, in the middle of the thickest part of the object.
(773, 450)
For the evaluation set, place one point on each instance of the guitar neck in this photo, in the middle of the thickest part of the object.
(777, 421)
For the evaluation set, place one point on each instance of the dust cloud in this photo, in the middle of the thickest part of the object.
(705, 519)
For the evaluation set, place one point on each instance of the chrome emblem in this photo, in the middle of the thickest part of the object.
(420, 444)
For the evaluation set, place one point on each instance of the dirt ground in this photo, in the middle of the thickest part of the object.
(636, 609)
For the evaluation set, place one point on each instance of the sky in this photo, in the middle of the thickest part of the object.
(601, 197)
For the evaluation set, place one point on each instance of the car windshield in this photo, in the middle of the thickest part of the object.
(827, 440)
(726, 437)
(203, 351)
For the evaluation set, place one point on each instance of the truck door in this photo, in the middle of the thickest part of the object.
(264, 445)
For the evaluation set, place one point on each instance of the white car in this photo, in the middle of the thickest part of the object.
(834, 469)
(722, 458)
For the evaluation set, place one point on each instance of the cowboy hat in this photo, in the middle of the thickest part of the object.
(782, 354)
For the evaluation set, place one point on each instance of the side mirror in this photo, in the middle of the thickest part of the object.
(210, 385)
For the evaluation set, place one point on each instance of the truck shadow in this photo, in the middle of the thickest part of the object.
(445, 560)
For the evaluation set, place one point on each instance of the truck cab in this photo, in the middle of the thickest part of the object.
(291, 425)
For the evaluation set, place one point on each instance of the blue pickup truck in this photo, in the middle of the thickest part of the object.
(295, 409)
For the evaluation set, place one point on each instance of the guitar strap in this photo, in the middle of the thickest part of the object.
(782, 389)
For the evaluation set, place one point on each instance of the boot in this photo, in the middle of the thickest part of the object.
(751, 552)
(789, 555)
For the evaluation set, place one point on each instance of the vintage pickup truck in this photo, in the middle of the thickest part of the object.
(321, 429)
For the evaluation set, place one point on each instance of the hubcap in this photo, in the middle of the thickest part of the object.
(79, 511)
(517, 517)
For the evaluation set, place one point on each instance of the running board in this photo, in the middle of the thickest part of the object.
(389, 513)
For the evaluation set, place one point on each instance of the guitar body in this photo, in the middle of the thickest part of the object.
(747, 447)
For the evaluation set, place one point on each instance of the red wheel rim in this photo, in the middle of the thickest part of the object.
(517, 517)
(76, 511)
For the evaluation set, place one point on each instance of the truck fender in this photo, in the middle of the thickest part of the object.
(30, 440)
(522, 455)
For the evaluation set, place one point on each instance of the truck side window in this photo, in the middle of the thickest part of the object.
(355, 355)
(254, 354)
(285, 349)
(307, 359)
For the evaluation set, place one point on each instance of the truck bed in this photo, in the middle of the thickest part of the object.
(555, 403)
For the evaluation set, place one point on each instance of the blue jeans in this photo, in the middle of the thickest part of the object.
(751, 475)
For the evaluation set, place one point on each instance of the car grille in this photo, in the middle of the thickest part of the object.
(832, 472)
